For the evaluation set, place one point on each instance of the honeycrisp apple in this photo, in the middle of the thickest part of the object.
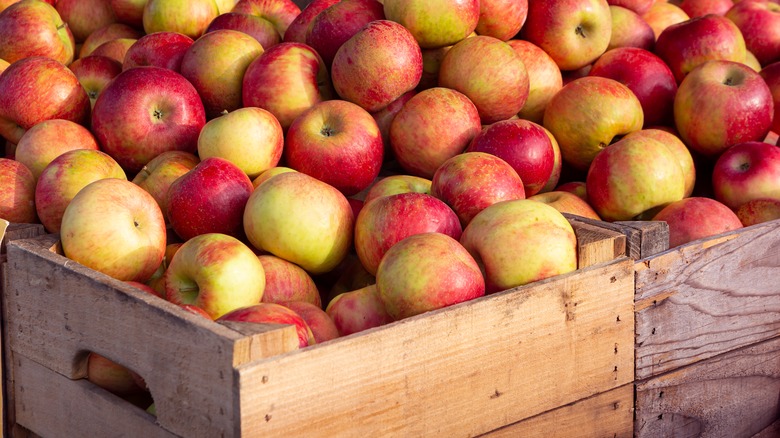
(566, 202)
(299, 27)
(258, 28)
(758, 211)
(117, 211)
(285, 281)
(336, 24)
(270, 313)
(94, 73)
(544, 79)
(34, 28)
(107, 33)
(85, 16)
(215, 272)
(678, 148)
(699, 8)
(662, 15)
(321, 324)
(158, 174)
(629, 29)
(160, 49)
(268, 174)
(280, 13)
(759, 23)
(501, 19)
(771, 75)
(17, 192)
(745, 172)
(394, 184)
(435, 23)
(190, 17)
(49, 139)
(358, 310)
(695, 218)
(129, 12)
(384, 120)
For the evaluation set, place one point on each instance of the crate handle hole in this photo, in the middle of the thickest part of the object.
(118, 380)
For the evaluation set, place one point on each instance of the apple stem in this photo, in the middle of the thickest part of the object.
(728, 82)
(158, 114)
(580, 31)
(744, 167)
(326, 131)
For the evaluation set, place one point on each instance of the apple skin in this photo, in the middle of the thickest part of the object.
(85, 16)
(544, 79)
(64, 177)
(337, 142)
(425, 272)
(285, 281)
(250, 137)
(107, 33)
(685, 45)
(144, 287)
(555, 176)
(629, 29)
(319, 237)
(111, 376)
(94, 73)
(117, 211)
(115, 49)
(575, 187)
(435, 23)
(501, 19)
(49, 139)
(34, 28)
(134, 120)
(394, 184)
(678, 148)
(745, 172)
(17, 192)
(573, 32)
(442, 119)
(338, 23)
(722, 103)
(215, 272)
(695, 218)
(129, 12)
(647, 76)
(700, 8)
(36, 89)
(286, 80)
(280, 13)
(387, 220)
(759, 23)
(490, 73)
(321, 324)
(358, 310)
(588, 114)
(258, 28)
(210, 198)
(190, 17)
(521, 241)
(270, 313)
(160, 49)
(195, 310)
(636, 6)
(662, 15)
(384, 120)
(771, 75)
(377, 65)
(567, 202)
(158, 174)
(268, 174)
(633, 176)
(299, 27)
(758, 211)
(524, 145)
(215, 64)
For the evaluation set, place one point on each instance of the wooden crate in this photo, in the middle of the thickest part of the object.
(465, 370)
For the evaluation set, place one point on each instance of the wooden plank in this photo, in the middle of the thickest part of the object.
(773, 431)
(460, 371)
(606, 415)
(736, 394)
(707, 297)
(597, 245)
(643, 238)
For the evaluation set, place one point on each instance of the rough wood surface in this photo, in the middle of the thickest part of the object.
(733, 395)
(606, 415)
(706, 298)
(643, 238)
(596, 244)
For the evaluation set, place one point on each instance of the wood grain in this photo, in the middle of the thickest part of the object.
(643, 238)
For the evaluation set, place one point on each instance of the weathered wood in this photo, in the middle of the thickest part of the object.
(643, 238)
(597, 245)
(707, 297)
(606, 415)
(736, 394)
(20, 231)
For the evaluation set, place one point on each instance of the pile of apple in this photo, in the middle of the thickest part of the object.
(339, 165)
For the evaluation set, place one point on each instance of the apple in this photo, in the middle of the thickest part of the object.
(158, 174)
(17, 192)
(190, 17)
(573, 32)
(394, 184)
(107, 33)
(286, 80)
(555, 176)
(94, 73)
(271, 313)
(501, 19)
(695, 218)
(588, 114)
(636, 175)
(567, 202)
(144, 112)
(425, 272)
(751, 61)
(34, 28)
(36, 89)
(358, 310)
(47, 140)
(722, 103)
(685, 45)
(432, 59)
(759, 22)
(339, 22)
(646, 75)
(771, 75)
(662, 15)
(337, 142)
(215, 272)
(747, 171)
(85, 16)
(258, 28)
(157, 281)
(436, 23)
(386, 220)
(117, 211)
(144, 287)
(490, 73)
(442, 119)
(544, 79)
(524, 145)
(575, 187)
(321, 324)
(215, 65)
(3, 65)
(112, 376)
(520, 241)
(129, 12)
(377, 65)
(758, 211)
(384, 120)
(285, 281)
(210, 198)
(678, 148)
(300, 219)
(280, 13)
(352, 275)
(268, 174)
(700, 8)
(159, 49)
(195, 310)
(629, 29)
(636, 6)
(65, 176)
(299, 27)
(115, 49)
